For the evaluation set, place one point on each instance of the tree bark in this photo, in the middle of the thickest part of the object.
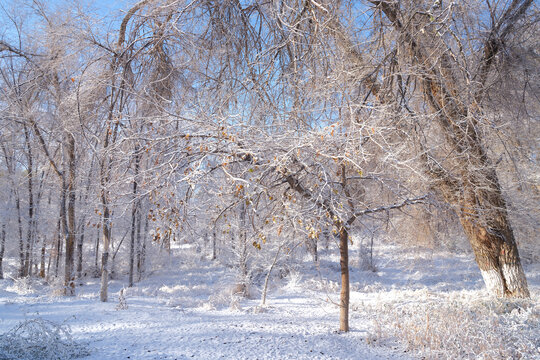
(345, 287)
(2, 248)
(80, 253)
(485, 221)
(96, 251)
(42, 262)
(29, 231)
(267, 278)
(134, 210)
(103, 294)
(214, 245)
(139, 245)
(59, 246)
(69, 279)
(143, 249)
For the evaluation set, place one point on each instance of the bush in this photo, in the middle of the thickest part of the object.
(450, 329)
(40, 339)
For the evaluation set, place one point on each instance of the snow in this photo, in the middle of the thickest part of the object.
(186, 310)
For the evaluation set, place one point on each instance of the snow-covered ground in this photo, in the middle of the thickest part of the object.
(418, 303)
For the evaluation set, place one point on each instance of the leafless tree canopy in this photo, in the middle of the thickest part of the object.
(264, 124)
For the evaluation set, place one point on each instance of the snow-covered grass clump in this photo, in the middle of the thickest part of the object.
(458, 327)
(40, 339)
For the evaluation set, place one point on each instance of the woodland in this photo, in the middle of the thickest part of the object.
(261, 132)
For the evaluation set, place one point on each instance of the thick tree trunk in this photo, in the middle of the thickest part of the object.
(485, 221)
(344, 264)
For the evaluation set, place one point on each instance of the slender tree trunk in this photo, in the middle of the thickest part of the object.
(267, 278)
(344, 264)
(2, 248)
(21, 241)
(143, 249)
(243, 242)
(132, 245)
(59, 246)
(105, 170)
(214, 245)
(80, 253)
(139, 245)
(29, 231)
(42, 262)
(96, 249)
(69, 278)
(134, 217)
(103, 294)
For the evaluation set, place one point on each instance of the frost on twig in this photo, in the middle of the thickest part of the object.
(40, 339)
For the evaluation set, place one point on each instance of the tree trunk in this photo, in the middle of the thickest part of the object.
(11, 171)
(132, 244)
(96, 251)
(69, 279)
(214, 253)
(267, 278)
(42, 262)
(485, 221)
(2, 248)
(474, 190)
(135, 206)
(58, 248)
(139, 245)
(21, 241)
(243, 242)
(105, 254)
(29, 231)
(344, 264)
(82, 223)
(80, 253)
(143, 249)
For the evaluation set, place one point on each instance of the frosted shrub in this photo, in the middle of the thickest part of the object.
(460, 330)
(366, 262)
(56, 287)
(229, 296)
(294, 279)
(22, 286)
(40, 339)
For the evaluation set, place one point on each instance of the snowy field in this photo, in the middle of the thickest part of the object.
(417, 303)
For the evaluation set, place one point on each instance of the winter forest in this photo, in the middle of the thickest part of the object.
(270, 179)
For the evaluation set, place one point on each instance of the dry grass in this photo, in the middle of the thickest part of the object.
(460, 328)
